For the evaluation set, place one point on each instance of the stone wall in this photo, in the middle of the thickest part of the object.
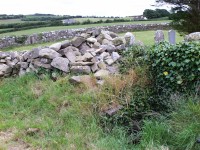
(92, 52)
(70, 33)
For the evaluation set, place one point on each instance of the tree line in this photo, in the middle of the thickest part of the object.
(186, 16)
(157, 13)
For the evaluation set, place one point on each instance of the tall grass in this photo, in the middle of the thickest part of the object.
(61, 112)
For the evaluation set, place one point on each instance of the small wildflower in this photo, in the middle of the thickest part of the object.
(165, 73)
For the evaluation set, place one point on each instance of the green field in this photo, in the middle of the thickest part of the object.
(92, 19)
(147, 37)
(47, 29)
(10, 21)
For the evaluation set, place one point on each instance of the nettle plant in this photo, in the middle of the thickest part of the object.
(175, 66)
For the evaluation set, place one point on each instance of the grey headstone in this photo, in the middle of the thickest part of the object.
(159, 36)
(172, 37)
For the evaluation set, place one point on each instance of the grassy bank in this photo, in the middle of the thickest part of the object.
(62, 113)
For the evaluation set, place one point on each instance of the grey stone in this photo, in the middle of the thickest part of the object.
(24, 65)
(94, 67)
(109, 61)
(81, 63)
(172, 36)
(55, 46)
(15, 61)
(61, 52)
(91, 40)
(35, 53)
(100, 82)
(75, 80)
(114, 69)
(71, 56)
(108, 48)
(10, 64)
(87, 56)
(120, 47)
(115, 56)
(96, 45)
(96, 32)
(77, 41)
(195, 36)
(118, 41)
(113, 35)
(80, 58)
(159, 36)
(37, 63)
(101, 73)
(104, 55)
(113, 110)
(106, 42)
(80, 69)
(100, 50)
(107, 36)
(102, 65)
(5, 69)
(65, 44)
(2, 61)
(22, 72)
(27, 55)
(48, 53)
(3, 55)
(100, 38)
(85, 35)
(61, 64)
(83, 48)
(31, 68)
(130, 39)
(45, 60)
(72, 48)
(86, 80)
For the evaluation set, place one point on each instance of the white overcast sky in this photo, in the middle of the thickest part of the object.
(76, 7)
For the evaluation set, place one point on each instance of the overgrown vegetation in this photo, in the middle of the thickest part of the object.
(175, 66)
(141, 108)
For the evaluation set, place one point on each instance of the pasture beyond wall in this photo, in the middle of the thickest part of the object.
(70, 33)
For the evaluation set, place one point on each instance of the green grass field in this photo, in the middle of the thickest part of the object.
(47, 29)
(63, 113)
(92, 19)
(10, 21)
(147, 37)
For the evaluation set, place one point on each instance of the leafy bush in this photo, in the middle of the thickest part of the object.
(176, 67)
(133, 57)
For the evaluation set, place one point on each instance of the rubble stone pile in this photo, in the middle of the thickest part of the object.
(92, 52)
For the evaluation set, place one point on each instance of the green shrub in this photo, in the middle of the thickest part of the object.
(21, 39)
(134, 56)
(176, 67)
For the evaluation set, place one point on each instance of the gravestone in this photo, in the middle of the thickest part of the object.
(172, 37)
(159, 36)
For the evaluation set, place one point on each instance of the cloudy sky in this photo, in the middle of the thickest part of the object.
(76, 7)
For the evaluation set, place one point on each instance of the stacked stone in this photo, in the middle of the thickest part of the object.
(70, 33)
(91, 52)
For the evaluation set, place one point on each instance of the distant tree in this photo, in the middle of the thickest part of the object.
(162, 12)
(150, 14)
(158, 13)
(186, 18)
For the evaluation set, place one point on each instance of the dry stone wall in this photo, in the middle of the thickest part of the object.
(95, 52)
(70, 33)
